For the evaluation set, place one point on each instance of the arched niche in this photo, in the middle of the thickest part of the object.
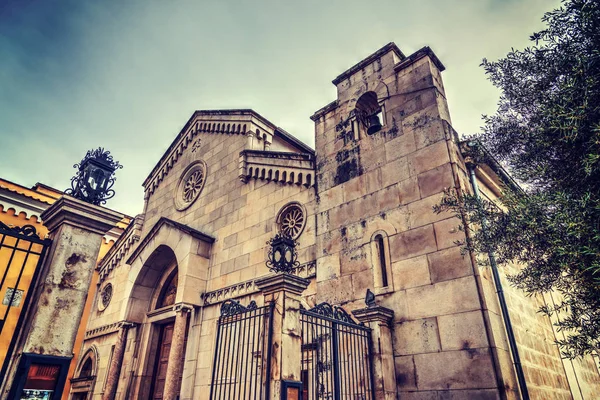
(88, 365)
(82, 384)
(144, 294)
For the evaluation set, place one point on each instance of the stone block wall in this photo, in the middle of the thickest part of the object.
(389, 182)
(548, 375)
(241, 217)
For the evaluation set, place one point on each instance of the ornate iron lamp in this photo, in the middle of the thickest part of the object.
(282, 254)
(95, 178)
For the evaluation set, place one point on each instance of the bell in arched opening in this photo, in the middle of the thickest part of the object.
(368, 108)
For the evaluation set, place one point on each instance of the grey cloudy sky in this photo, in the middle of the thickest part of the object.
(126, 75)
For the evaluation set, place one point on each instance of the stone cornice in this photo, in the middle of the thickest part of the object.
(279, 155)
(166, 221)
(370, 59)
(278, 167)
(121, 248)
(21, 203)
(282, 281)
(72, 211)
(232, 122)
(417, 55)
(108, 329)
(374, 314)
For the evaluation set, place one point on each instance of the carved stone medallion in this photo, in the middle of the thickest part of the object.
(291, 220)
(190, 185)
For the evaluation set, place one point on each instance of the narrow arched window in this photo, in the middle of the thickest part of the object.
(87, 369)
(382, 259)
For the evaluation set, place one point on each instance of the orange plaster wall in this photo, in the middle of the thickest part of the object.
(9, 217)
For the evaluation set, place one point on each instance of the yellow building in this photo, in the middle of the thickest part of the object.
(22, 246)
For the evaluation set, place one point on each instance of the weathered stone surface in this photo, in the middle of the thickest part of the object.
(406, 377)
(411, 273)
(428, 158)
(413, 243)
(436, 180)
(70, 264)
(415, 337)
(449, 264)
(463, 369)
(447, 233)
(442, 298)
(462, 331)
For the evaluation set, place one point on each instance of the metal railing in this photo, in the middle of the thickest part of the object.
(241, 366)
(336, 356)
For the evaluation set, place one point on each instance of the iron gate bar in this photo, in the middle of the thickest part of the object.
(336, 354)
(29, 234)
(16, 286)
(240, 369)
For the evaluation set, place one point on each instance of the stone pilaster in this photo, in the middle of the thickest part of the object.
(175, 366)
(378, 319)
(114, 369)
(284, 291)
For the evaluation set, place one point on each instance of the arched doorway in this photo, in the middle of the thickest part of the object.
(164, 334)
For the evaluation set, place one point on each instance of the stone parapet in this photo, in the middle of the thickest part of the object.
(277, 167)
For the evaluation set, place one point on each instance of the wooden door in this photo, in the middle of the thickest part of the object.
(162, 360)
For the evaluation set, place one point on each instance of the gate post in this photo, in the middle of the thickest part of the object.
(76, 229)
(378, 319)
(284, 292)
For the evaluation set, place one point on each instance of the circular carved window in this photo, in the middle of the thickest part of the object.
(105, 296)
(291, 220)
(190, 185)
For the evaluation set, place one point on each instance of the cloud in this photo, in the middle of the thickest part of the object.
(127, 75)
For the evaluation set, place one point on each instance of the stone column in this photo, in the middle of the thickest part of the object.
(378, 319)
(76, 229)
(114, 369)
(284, 291)
(175, 365)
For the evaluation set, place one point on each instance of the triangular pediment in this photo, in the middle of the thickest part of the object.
(221, 122)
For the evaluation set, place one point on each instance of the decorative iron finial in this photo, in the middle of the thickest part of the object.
(95, 177)
(282, 254)
(370, 299)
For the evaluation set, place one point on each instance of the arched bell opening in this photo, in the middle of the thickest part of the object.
(369, 112)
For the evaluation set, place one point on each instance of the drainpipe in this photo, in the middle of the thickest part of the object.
(512, 343)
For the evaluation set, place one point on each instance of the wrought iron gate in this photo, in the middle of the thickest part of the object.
(241, 366)
(21, 254)
(336, 355)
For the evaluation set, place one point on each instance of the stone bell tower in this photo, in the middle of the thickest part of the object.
(385, 152)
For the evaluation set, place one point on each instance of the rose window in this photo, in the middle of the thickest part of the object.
(105, 296)
(190, 185)
(193, 185)
(291, 220)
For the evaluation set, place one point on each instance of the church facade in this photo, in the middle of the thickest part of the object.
(360, 207)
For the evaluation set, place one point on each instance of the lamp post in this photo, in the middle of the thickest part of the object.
(95, 178)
